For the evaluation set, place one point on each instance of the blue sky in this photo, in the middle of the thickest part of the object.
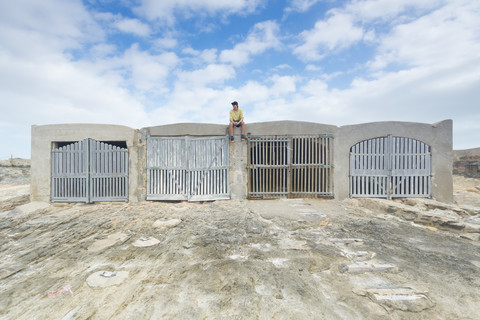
(143, 63)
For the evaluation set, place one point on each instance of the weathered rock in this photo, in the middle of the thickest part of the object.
(103, 279)
(236, 259)
(405, 299)
(471, 236)
(108, 242)
(292, 244)
(146, 242)
(363, 267)
(471, 227)
(28, 208)
(166, 223)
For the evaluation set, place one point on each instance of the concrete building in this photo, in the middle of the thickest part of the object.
(197, 162)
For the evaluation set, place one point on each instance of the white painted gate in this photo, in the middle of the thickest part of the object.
(88, 171)
(290, 166)
(387, 167)
(188, 168)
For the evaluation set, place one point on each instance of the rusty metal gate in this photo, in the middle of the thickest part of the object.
(290, 166)
(88, 171)
(387, 167)
(188, 168)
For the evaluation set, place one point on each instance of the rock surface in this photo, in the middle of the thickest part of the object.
(276, 259)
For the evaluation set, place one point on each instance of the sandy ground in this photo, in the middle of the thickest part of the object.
(277, 259)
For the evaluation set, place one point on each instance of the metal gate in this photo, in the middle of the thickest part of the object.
(188, 168)
(88, 171)
(387, 167)
(293, 166)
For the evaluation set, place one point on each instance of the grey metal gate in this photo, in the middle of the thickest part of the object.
(290, 166)
(188, 168)
(387, 167)
(88, 171)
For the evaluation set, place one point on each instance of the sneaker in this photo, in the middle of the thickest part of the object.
(243, 137)
(232, 138)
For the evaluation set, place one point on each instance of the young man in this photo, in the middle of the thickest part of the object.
(236, 119)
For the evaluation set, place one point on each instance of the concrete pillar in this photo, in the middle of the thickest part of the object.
(238, 166)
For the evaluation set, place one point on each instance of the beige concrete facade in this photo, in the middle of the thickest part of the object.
(438, 136)
(44, 137)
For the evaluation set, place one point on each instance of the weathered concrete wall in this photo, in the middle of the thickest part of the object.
(43, 138)
(289, 128)
(186, 129)
(238, 166)
(438, 136)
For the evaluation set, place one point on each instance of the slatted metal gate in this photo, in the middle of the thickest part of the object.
(387, 167)
(188, 168)
(290, 166)
(88, 171)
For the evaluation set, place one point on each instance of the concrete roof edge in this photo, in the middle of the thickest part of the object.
(447, 121)
(60, 125)
(289, 127)
(186, 129)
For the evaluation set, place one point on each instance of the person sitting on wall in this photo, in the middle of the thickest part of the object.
(236, 119)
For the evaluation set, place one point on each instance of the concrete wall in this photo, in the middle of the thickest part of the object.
(43, 138)
(186, 129)
(289, 128)
(438, 136)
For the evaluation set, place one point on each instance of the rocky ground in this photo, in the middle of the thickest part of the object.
(277, 259)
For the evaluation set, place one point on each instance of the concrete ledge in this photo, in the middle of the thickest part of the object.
(186, 129)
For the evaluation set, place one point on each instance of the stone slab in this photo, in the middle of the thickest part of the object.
(103, 279)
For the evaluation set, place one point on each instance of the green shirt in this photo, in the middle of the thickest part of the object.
(236, 116)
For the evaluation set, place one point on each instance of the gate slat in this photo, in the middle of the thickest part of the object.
(187, 168)
(377, 163)
(295, 166)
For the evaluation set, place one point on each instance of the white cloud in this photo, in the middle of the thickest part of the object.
(283, 84)
(212, 74)
(32, 29)
(347, 25)
(208, 56)
(52, 18)
(456, 23)
(300, 5)
(101, 50)
(235, 57)
(62, 92)
(263, 36)
(147, 71)
(133, 26)
(58, 65)
(165, 10)
(390, 11)
(165, 43)
(337, 32)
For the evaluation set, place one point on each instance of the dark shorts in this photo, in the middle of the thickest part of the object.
(237, 125)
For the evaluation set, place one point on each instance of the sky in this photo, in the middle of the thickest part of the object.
(143, 63)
